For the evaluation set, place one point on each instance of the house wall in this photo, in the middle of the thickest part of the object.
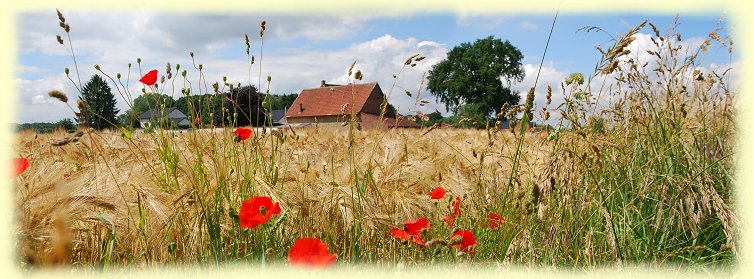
(318, 119)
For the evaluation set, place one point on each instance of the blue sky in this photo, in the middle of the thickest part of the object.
(299, 51)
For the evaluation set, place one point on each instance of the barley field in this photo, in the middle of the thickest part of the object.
(642, 177)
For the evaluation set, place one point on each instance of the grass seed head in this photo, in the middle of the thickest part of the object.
(57, 94)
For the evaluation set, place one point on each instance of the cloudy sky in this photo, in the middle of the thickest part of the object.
(300, 50)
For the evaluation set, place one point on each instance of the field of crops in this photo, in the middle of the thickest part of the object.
(644, 177)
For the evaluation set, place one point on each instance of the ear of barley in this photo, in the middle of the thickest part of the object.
(57, 94)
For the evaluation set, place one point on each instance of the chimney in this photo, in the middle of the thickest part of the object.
(300, 107)
(322, 84)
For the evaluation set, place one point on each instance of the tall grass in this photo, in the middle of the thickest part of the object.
(638, 172)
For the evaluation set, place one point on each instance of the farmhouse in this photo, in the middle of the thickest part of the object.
(278, 116)
(331, 105)
(172, 114)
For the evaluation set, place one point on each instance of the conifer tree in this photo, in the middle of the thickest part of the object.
(99, 103)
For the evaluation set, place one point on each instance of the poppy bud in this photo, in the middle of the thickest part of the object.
(96, 66)
(129, 65)
(177, 67)
(67, 71)
(117, 75)
(138, 60)
(183, 73)
(200, 66)
(162, 79)
(192, 54)
(269, 78)
(225, 79)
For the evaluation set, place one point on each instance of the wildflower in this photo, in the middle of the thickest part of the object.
(197, 121)
(242, 134)
(467, 240)
(411, 230)
(20, 164)
(150, 78)
(256, 211)
(66, 176)
(455, 212)
(495, 220)
(437, 193)
(450, 221)
(310, 252)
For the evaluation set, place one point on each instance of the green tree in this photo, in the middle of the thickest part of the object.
(468, 116)
(282, 101)
(99, 101)
(480, 73)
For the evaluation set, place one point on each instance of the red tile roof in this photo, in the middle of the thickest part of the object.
(336, 100)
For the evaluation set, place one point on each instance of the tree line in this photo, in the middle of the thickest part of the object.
(473, 82)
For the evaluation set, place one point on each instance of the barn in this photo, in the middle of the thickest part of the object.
(331, 105)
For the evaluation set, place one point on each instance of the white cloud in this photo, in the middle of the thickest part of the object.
(26, 69)
(38, 99)
(378, 59)
(549, 75)
(528, 25)
(35, 106)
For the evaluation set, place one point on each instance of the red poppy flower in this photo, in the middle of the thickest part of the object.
(448, 220)
(20, 165)
(495, 220)
(310, 252)
(456, 207)
(437, 193)
(411, 230)
(256, 211)
(414, 227)
(150, 78)
(467, 240)
(197, 121)
(398, 233)
(242, 134)
(454, 212)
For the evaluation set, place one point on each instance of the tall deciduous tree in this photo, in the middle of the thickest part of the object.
(242, 107)
(100, 111)
(480, 73)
